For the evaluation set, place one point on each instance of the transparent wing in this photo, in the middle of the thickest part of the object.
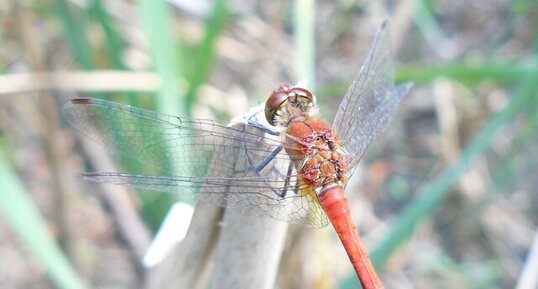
(370, 102)
(168, 145)
(197, 157)
(297, 204)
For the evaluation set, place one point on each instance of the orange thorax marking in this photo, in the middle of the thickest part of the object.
(315, 151)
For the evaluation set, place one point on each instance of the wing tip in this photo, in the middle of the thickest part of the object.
(89, 174)
(92, 176)
(84, 101)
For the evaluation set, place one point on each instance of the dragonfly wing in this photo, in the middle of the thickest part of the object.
(169, 145)
(370, 101)
(252, 196)
(234, 166)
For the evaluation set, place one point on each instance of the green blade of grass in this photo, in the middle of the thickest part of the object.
(428, 25)
(24, 218)
(114, 44)
(466, 73)
(170, 99)
(157, 23)
(205, 57)
(75, 35)
(303, 16)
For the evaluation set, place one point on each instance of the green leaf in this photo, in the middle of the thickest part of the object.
(157, 24)
(24, 218)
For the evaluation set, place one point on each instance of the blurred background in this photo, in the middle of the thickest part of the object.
(446, 198)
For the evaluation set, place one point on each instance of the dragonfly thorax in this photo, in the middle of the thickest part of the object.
(315, 150)
(288, 103)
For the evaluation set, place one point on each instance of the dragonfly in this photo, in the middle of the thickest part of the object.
(280, 161)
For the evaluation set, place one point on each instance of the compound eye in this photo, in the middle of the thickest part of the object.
(305, 94)
(273, 103)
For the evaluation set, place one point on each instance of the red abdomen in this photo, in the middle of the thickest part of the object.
(335, 203)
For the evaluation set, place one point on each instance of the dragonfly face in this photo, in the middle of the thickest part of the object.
(288, 102)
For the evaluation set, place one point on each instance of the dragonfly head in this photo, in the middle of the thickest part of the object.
(286, 102)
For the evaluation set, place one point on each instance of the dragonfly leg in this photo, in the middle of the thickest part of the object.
(287, 182)
(268, 159)
(258, 168)
(265, 129)
(296, 189)
(284, 191)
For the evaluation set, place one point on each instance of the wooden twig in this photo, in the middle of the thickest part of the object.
(188, 265)
(249, 252)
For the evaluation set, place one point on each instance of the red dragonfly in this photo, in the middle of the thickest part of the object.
(294, 168)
